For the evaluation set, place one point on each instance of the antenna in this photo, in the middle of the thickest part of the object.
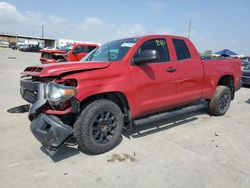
(189, 28)
(42, 30)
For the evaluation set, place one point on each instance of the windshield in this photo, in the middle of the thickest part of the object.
(111, 51)
(67, 48)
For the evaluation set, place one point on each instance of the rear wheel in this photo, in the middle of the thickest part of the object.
(98, 128)
(220, 103)
(61, 60)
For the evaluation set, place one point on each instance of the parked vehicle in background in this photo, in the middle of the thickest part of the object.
(117, 84)
(19, 46)
(245, 62)
(13, 46)
(30, 48)
(246, 75)
(70, 52)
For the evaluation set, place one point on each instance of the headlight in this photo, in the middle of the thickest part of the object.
(57, 92)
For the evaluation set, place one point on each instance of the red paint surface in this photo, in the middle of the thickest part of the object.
(149, 87)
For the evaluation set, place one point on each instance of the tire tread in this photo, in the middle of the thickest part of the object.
(213, 105)
(82, 125)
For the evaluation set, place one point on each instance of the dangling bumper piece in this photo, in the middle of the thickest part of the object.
(50, 131)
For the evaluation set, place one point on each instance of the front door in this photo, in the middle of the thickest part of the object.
(154, 82)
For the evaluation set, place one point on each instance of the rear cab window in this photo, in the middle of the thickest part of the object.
(79, 49)
(159, 45)
(90, 48)
(181, 49)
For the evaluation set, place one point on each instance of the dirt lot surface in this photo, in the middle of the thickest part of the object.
(191, 150)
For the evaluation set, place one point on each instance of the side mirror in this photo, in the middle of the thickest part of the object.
(146, 56)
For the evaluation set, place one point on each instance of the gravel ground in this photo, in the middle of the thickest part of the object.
(190, 150)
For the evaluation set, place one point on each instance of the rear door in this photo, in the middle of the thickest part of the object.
(189, 69)
(154, 82)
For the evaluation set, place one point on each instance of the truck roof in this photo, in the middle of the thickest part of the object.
(155, 36)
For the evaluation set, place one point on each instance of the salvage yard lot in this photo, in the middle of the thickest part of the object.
(189, 150)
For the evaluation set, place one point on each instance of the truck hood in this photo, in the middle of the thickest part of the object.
(53, 51)
(49, 70)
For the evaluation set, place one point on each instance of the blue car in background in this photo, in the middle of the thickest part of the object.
(245, 62)
(246, 75)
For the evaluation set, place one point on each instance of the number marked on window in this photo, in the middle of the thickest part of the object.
(160, 42)
(128, 45)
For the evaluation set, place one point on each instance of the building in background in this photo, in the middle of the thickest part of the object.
(63, 42)
(15, 39)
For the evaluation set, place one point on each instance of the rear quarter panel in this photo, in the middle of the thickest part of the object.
(216, 69)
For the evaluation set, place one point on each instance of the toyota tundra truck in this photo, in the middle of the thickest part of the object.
(69, 52)
(117, 84)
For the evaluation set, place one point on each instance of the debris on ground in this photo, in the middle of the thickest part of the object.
(123, 157)
(215, 134)
(11, 57)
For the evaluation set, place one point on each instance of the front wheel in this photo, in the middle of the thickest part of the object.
(220, 103)
(98, 128)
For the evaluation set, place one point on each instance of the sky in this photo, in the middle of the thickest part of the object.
(215, 24)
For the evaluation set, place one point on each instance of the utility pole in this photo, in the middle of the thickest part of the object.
(189, 28)
(42, 30)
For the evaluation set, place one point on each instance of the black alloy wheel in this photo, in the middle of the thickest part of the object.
(99, 126)
(104, 127)
(224, 102)
(221, 100)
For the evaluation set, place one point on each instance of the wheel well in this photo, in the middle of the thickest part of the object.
(228, 81)
(117, 97)
(56, 57)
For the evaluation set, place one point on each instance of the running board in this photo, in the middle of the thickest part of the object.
(169, 114)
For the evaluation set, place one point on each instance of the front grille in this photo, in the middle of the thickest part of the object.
(33, 69)
(29, 90)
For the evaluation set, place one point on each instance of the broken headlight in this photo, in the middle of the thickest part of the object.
(56, 93)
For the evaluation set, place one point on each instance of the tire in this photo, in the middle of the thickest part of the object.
(61, 60)
(220, 103)
(96, 131)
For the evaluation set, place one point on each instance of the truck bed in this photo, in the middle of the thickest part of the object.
(214, 68)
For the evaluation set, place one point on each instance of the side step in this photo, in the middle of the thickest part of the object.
(169, 114)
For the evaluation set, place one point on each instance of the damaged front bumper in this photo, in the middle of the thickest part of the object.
(46, 125)
(50, 131)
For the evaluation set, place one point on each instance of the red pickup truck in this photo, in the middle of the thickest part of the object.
(119, 83)
(70, 52)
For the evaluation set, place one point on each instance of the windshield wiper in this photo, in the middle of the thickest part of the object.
(109, 59)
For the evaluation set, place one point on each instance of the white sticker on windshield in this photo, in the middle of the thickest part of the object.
(129, 45)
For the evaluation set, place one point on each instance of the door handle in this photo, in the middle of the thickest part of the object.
(171, 69)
